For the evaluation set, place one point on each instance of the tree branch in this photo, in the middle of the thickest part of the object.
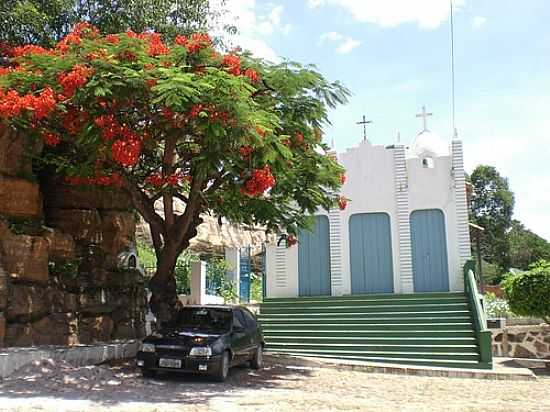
(167, 165)
(146, 208)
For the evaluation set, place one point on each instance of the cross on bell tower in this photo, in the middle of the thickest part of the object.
(364, 122)
(424, 116)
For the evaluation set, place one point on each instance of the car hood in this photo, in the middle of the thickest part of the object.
(183, 337)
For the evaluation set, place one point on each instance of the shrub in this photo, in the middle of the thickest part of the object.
(496, 307)
(529, 292)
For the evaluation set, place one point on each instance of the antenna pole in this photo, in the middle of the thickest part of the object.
(453, 73)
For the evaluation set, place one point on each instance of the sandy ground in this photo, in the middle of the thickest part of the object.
(278, 387)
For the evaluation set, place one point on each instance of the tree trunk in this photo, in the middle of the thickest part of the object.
(164, 300)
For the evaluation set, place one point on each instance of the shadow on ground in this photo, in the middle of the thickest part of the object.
(122, 382)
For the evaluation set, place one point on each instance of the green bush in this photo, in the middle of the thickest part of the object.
(496, 307)
(529, 292)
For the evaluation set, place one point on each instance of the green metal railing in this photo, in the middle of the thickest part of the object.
(483, 334)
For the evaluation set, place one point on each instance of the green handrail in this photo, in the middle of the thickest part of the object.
(480, 322)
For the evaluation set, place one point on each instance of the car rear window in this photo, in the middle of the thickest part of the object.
(208, 319)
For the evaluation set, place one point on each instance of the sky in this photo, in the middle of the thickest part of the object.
(394, 56)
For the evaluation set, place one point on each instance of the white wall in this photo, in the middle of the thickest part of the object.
(371, 188)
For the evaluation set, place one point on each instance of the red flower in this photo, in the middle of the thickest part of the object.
(245, 152)
(65, 43)
(197, 42)
(74, 120)
(43, 104)
(232, 64)
(260, 181)
(156, 46)
(299, 137)
(51, 139)
(181, 40)
(75, 79)
(155, 180)
(85, 29)
(112, 38)
(343, 178)
(126, 152)
(342, 202)
(260, 131)
(29, 49)
(291, 240)
(12, 104)
(252, 75)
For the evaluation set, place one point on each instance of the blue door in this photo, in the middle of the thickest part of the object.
(370, 253)
(314, 259)
(244, 278)
(429, 251)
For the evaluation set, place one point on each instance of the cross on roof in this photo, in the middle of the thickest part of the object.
(424, 116)
(364, 122)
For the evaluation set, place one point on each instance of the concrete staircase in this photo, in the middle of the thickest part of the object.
(435, 329)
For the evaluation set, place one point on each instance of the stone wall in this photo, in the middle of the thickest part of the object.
(529, 341)
(60, 281)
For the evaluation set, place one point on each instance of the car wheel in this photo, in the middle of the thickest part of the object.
(223, 369)
(148, 373)
(257, 361)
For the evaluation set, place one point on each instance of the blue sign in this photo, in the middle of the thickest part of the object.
(244, 276)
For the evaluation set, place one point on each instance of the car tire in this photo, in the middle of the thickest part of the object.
(148, 373)
(223, 370)
(257, 361)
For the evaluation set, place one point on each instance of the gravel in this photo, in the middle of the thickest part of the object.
(57, 386)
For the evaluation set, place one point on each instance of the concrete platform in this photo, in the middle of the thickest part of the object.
(12, 359)
(503, 368)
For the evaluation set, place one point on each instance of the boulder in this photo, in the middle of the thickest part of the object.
(95, 329)
(25, 258)
(15, 151)
(19, 198)
(84, 225)
(62, 196)
(61, 245)
(55, 329)
(125, 330)
(3, 287)
(522, 352)
(96, 302)
(60, 301)
(26, 303)
(2, 329)
(118, 230)
(18, 334)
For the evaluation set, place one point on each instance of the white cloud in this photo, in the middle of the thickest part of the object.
(478, 22)
(428, 14)
(253, 26)
(345, 44)
(348, 45)
(331, 35)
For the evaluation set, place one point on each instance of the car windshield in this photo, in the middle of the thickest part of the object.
(204, 319)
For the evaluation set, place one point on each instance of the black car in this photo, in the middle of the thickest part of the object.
(205, 340)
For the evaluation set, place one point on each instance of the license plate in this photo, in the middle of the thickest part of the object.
(169, 363)
(203, 367)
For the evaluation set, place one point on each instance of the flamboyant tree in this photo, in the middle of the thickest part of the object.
(226, 134)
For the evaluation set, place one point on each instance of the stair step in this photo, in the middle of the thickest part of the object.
(471, 356)
(379, 347)
(321, 327)
(442, 314)
(418, 308)
(365, 301)
(379, 296)
(364, 340)
(308, 333)
(454, 363)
